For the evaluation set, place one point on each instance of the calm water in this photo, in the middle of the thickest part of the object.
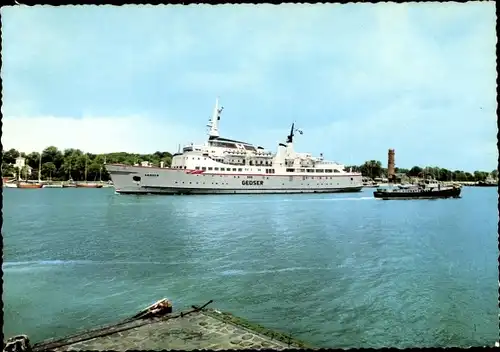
(340, 270)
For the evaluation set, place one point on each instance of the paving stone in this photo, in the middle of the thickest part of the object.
(246, 337)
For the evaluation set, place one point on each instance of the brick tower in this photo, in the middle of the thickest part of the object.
(391, 175)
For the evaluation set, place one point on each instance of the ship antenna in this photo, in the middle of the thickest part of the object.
(290, 136)
(292, 133)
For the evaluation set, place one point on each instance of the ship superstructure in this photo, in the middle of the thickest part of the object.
(227, 166)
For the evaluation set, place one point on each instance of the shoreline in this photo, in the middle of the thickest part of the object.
(61, 184)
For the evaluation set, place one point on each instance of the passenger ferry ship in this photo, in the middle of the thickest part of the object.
(226, 166)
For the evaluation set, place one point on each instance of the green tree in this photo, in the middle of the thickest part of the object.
(415, 171)
(480, 175)
(399, 170)
(24, 173)
(33, 160)
(444, 175)
(48, 169)
(93, 170)
(8, 170)
(372, 169)
(72, 167)
(467, 177)
(168, 161)
(53, 155)
(494, 174)
(9, 156)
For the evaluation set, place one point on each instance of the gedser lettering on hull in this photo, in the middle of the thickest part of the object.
(252, 183)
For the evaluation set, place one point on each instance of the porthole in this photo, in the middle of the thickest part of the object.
(136, 178)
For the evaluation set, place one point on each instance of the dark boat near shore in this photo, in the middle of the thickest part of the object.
(487, 183)
(419, 192)
(29, 185)
(88, 185)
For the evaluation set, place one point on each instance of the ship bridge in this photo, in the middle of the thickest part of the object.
(232, 144)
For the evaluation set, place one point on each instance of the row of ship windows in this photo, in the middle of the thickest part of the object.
(268, 171)
(328, 171)
(220, 169)
(267, 178)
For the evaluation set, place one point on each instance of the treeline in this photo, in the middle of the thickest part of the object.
(374, 169)
(60, 165)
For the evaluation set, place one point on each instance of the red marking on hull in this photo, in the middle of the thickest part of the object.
(194, 172)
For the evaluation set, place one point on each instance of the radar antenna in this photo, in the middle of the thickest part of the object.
(292, 133)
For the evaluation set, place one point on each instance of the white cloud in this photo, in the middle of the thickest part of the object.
(134, 134)
(421, 136)
(416, 77)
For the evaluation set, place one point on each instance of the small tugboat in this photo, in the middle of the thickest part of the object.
(424, 191)
(369, 183)
(9, 182)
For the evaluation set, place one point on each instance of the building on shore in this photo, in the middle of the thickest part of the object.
(20, 164)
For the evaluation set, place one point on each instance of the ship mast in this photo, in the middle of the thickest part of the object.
(69, 171)
(214, 122)
(40, 168)
(289, 138)
(86, 167)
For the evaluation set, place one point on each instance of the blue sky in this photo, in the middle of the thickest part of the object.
(357, 79)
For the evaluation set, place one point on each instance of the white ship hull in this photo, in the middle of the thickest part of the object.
(150, 180)
(227, 166)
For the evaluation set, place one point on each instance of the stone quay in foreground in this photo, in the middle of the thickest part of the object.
(157, 328)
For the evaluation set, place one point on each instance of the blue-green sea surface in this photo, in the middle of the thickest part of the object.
(336, 270)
